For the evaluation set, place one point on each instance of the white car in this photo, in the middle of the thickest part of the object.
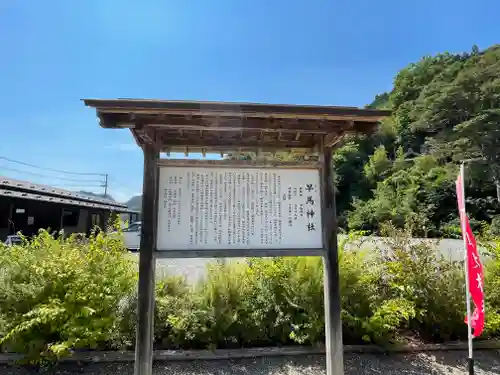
(132, 236)
(13, 240)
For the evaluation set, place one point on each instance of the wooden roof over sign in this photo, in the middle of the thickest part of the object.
(185, 126)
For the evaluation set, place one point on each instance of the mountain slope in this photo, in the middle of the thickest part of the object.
(445, 110)
(102, 196)
(135, 203)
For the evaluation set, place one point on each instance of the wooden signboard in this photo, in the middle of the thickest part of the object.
(210, 208)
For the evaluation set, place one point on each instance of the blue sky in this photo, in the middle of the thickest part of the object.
(339, 52)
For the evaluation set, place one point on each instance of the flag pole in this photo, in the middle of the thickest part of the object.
(466, 266)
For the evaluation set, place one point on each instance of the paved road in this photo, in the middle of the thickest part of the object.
(194, 268)
(438, 363)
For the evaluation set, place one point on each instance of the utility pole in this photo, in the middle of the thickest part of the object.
(105, 185)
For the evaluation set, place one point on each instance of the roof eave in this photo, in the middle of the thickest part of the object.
(137, 107)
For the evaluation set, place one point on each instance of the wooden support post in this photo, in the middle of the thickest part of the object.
(61, 221)
(333, 319)
(10, 224)
(146, 292)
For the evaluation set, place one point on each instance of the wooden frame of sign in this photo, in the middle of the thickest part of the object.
(205, 127)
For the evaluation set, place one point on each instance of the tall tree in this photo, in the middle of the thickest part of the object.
(480, 139)
(446, 108)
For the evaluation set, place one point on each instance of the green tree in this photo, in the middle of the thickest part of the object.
(378, 165)
(481, 139)
(445, 110)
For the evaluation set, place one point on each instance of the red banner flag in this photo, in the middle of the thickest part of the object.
(475, 272)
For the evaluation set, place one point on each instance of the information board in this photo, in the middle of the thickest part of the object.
(216, 208)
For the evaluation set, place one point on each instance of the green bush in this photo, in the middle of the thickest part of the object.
(366, 310)
(492, 286)
(278, 301)
(57, 295)
(431, 285)
(61, 294)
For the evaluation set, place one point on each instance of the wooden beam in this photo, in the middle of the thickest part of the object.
(136, 137)
(146, 287)
(234, 144)
(145, 135)
(157, 120)
(331, 140)
(232, 114)
(10, 224)
(237, 253)
(333, 320)
(242, 129)
(221, 149)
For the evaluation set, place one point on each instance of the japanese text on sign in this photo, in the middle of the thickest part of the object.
(229, 208)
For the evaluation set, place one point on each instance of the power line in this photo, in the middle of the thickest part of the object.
(51, 169)
(102, 183)
(51, 177)
(78, 186)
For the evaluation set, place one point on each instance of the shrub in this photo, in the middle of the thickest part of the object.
(416, 272)
(273, 301)
(495, 226)
(492, 285)
(60, 294)
(173, 297)
(365, 318)
(371, 312)
(284, 300)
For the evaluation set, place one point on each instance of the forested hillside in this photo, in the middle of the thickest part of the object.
(446, 109)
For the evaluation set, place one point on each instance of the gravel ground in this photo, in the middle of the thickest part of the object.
(437, 363)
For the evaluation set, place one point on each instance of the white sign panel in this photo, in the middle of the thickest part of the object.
(216, 208)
